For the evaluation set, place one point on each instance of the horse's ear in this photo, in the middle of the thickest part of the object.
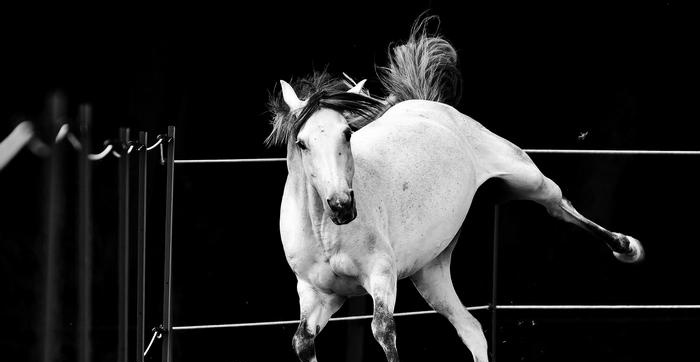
(290, 97)
(358, 87)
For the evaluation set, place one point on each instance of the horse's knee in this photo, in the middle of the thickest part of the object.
(474, 323)
(303, 344)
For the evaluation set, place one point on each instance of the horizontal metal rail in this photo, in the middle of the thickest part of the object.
(613, 152)
(482, 307)
(277, 323)
(527, 150)
(596, 307)
(231, 160)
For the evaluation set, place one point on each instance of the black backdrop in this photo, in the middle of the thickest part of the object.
(537, 74)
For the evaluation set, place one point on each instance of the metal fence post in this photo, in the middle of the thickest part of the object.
(123, 258)
(53, 219)
(494, 285)
(141, 256)
(84, 236)
(166, 355)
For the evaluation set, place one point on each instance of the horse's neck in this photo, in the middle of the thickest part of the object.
(309, 202)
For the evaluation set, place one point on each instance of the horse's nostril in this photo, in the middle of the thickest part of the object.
(334, 204)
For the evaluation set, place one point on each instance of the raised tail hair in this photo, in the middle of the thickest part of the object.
(425, 67)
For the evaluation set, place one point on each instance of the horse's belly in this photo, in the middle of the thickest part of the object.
(429, 226)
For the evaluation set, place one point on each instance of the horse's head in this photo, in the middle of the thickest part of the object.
(323, 143)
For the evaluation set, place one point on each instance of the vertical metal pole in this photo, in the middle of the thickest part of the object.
(123, 315)
(166, 355)
(355, 332)
(84, 236)
(141, 257)
(53, 221)
(494, 285)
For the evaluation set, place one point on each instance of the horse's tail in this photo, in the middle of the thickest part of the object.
(425, 67)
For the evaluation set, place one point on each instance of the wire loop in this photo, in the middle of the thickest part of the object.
(158, 142)
(101, 155)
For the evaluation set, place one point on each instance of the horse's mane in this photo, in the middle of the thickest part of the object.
(425, 67)
(321, 90)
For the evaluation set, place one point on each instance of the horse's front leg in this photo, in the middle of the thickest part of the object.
(316, 308)
(381, 285)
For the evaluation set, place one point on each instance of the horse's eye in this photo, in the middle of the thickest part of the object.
(348, 134)
(301, 144)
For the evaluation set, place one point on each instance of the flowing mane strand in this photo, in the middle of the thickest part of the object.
(321, 90)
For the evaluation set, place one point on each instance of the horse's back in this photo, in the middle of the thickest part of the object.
(436, 135)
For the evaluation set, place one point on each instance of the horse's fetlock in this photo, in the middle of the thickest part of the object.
(303, 343)
(623, 243)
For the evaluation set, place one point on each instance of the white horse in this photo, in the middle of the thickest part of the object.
(364, 209)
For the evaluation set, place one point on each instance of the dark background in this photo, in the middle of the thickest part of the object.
(538, 74)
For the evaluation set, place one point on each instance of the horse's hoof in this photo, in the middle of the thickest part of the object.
(636, 253)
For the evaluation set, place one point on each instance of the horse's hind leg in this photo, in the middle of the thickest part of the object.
(434, 283)
(316, 308)
(525, 181)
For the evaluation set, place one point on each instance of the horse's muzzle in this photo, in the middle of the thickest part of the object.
(342, 207)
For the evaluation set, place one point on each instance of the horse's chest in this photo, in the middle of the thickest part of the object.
(328, 277)
(336, 273)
